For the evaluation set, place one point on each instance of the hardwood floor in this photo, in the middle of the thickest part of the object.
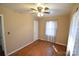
(41, 48)
(1, 51)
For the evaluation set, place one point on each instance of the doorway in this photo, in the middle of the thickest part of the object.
(35, 30)
(2, 50)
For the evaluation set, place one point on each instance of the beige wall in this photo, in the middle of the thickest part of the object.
(20, 27)
(63, 23)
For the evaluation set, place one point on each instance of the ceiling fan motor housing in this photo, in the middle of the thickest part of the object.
(39, 9)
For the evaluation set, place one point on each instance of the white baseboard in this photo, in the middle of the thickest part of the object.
(56, 43)
(20, 48)
(60, 43)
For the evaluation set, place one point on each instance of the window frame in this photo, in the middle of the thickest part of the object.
(52, 21)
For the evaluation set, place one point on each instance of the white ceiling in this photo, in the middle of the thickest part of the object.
(55, 8)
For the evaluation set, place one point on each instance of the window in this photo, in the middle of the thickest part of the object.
(51, 27)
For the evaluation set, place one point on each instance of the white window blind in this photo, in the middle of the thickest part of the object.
(51, 27)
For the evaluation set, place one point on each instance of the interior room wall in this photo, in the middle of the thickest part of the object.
(18, 29)
(63, 23)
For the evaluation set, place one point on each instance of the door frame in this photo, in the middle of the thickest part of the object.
(3, 35)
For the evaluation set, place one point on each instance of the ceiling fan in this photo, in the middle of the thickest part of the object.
(41, 10)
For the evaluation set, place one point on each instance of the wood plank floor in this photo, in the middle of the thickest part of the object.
(1, 51)
(41, 48)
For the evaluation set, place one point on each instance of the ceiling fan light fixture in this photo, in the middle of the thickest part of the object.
(40, 9)
(39, 14)
(42, 14)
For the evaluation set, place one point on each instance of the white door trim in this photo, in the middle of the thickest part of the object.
(3, 35)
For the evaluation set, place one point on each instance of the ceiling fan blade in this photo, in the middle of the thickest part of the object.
(46, 8)
(46, 12)
(33, 9)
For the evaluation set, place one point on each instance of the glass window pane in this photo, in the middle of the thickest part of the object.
(51, 28)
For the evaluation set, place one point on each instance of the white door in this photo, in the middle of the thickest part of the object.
(35, 30)
(2, 35)
(73, 33)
